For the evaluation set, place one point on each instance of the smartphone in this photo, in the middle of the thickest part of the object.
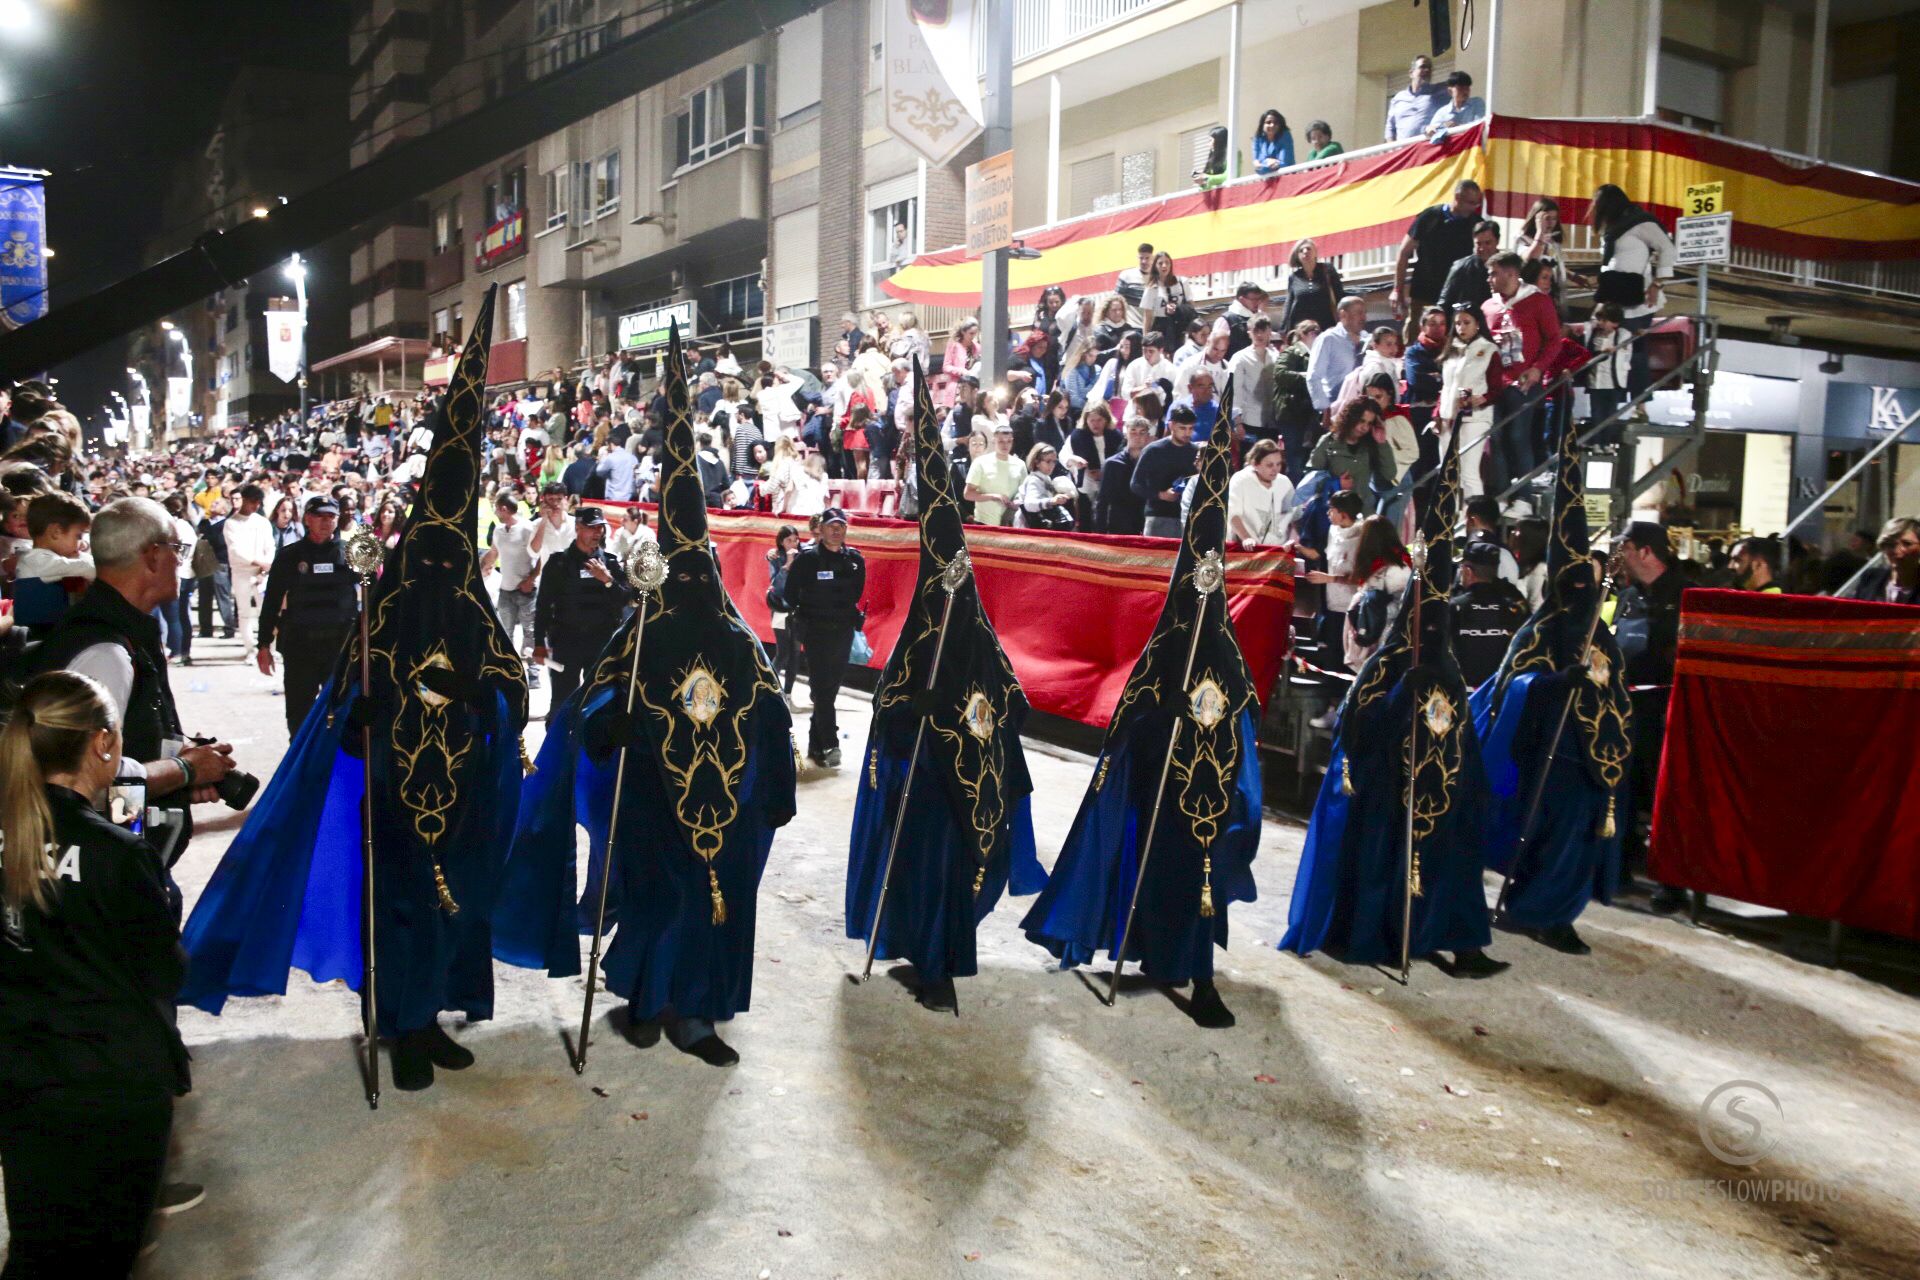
(127, 804)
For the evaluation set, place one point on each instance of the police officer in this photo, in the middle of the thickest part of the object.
(1648, 632)
(310, 605)
(824, 586)
(583, 595)
(1486, 611)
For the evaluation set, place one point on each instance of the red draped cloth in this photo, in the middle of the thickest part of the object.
(1073, 610)
(1789, 776)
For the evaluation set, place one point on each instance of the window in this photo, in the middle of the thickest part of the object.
(516, 310)
(557, 192)
(446, 227)
(502, 199)
(1691, 92)
(891, 205)
(564, 31)
(457, 323)
(1089, 181)
(732, 304)
(442, 320)
(731, 112)
(582, 173)
(606, 184)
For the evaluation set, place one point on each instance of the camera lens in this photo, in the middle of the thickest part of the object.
(237, 789)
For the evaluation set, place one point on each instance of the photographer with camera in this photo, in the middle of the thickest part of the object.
(110, 633)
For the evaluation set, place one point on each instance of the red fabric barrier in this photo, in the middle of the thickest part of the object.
(1072, 610)
(1788, 778)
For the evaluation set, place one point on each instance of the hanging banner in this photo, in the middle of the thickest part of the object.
(179, 399)
(932, 84)
(141, 417)
(284, 332)
(23, 257)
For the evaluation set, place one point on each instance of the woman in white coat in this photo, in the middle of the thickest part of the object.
(1463, 386)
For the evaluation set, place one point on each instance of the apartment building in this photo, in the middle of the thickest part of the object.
(278, 132)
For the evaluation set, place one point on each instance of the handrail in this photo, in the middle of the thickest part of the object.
(1564, 378)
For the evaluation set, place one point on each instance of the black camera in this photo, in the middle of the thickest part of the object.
(237, 789)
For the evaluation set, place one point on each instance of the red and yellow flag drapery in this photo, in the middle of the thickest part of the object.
(1802, 210)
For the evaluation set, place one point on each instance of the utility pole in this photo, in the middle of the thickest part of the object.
(998, 136)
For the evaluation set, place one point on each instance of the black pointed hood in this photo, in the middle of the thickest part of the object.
(1554, 638)
(977, 709)
(1221, 689)
(702, 672)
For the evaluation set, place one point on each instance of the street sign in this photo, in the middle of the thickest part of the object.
(1703, 198)
(1700, 240)
(789, 344)
(990, 205)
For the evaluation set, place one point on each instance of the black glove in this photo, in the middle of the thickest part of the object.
(457, 686)
(608, 731)
(365, 714)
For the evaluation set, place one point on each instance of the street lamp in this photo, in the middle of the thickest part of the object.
(297, 272)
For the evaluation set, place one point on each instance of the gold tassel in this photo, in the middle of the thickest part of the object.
(979, 879)
(873, 769)
(1206, 886)
(1100, 779)
(719, 903)
(1346, 778)
(1419, 890)
(526, 761)
(1606, 824)
(447, 903)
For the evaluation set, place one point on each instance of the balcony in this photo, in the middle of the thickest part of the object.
(502, 242)
(446, 268)
(1041, 25)
(723, 196)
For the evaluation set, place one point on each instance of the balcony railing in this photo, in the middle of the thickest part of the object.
(1041, 25)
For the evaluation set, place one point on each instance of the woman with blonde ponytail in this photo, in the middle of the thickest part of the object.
(90, 961)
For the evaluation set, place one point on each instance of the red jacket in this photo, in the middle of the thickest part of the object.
(1525, 328)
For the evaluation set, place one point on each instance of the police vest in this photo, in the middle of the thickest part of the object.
(321, 602)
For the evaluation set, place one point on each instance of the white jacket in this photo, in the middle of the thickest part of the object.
(1647, 250)
(1465, 371)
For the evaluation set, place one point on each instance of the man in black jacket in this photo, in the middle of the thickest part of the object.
(1163, 464)
(1485, 613)
(110, 633)
(310, 605)
(583, 595)
(824, 585)
(1467, 277)
(1118, 510)
(1647, 628)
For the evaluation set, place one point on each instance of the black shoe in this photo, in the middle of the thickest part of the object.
(178, 1197)
(445, 1051)
(938, 995)
(832, 758)
(1667, 899)
(1476, 964)
(1207, 1009)
(1562, 938)
(697, 1038)
(412, 1061)
(226, 635)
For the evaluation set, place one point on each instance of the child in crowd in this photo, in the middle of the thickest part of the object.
(1607, 375)
(55, 565)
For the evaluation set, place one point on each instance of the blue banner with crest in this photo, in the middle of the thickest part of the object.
(23, 249)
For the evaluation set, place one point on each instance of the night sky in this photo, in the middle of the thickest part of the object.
(109, 95)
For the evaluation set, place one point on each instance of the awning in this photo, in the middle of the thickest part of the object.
(1366, 201)
(380, 352)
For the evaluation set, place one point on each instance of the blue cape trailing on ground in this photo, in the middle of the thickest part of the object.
(1209, 828)
(446, 704)
(709, 776)
(1349, 893)
(968, 829)
(1572, 855)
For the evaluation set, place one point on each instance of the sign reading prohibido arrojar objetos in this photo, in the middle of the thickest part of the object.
(23, 249)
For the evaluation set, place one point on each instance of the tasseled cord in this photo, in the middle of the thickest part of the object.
(526, 761)
(1607, 827)
(1206, 886)
(1346, 778)
(719, 903)
(447, 904)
